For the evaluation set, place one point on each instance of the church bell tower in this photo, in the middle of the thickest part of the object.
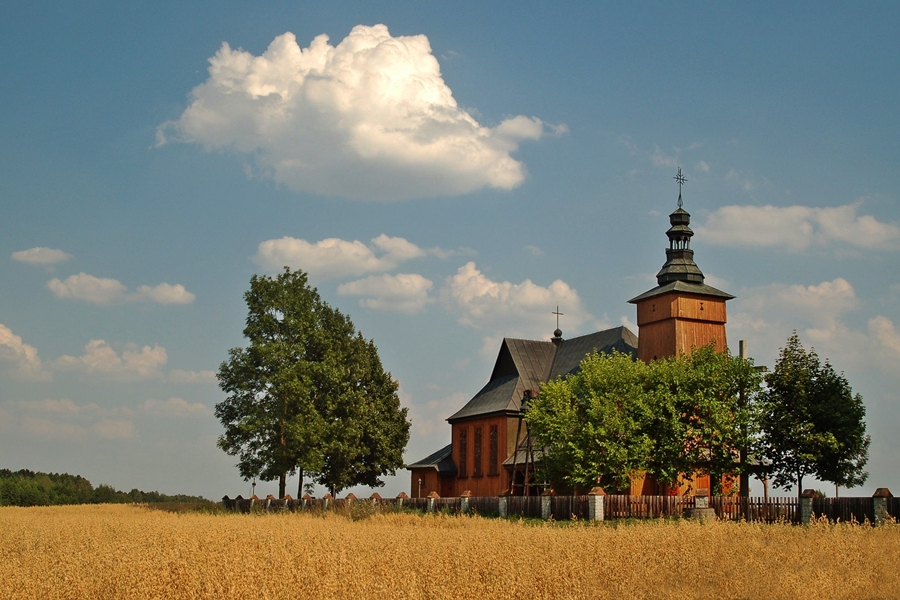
(681, 311)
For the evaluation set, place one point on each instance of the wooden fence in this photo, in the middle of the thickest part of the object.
(485, 506)
(847, 510)
(769, 510)
(524, 506)
(643, 507)
(563, 508)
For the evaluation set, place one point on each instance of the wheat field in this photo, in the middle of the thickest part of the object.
(116, 551)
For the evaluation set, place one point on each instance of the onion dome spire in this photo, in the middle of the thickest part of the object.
(680, 264)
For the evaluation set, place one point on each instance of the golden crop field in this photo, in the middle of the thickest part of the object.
(117, 551)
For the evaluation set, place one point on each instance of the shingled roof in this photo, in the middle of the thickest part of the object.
(440, 461)
(682, 286)
(526, 364)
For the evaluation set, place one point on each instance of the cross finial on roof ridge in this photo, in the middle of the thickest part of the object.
(557, 335)
(558, 315)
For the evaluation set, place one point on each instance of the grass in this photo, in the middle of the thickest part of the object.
(116, 551)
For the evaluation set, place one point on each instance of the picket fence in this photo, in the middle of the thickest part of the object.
(562, 508)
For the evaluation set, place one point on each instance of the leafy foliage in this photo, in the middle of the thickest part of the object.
(593, 425)
(309, 393)
(702, 413)
(616, 417)
(812, 423)
(30, 488)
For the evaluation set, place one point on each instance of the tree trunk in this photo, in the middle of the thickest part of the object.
(300, 485)
(282, 484)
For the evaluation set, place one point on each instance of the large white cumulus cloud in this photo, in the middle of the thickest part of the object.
(370, 118)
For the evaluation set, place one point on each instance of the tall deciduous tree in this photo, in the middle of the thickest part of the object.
(308, 394)
(812, 423)
(703, 407)
(592, 424)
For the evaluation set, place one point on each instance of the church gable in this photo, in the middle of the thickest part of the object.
(525, 364)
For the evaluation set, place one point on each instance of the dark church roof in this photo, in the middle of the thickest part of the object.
(440, 461)
(682, 286)
(525, 364)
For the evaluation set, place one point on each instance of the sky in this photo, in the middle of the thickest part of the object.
(447, 173)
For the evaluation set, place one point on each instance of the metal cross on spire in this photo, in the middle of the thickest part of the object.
(680, 179)
(558, 315)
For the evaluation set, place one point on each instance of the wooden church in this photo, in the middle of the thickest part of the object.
(490, 450)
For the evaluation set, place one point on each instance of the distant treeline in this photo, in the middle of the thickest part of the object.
(27, 488)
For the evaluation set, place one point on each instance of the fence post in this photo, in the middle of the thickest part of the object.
(503, 507)
(400, 498)
(595, 504)
(806, 505)
(431, 501)
(464, 501)
(546, 507)
(879, 498)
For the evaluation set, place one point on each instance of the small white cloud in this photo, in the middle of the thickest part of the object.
(180, 376)
(164, 293)
(738, 178)
(430, 418)
(41, 256)
(397, 248)
(63, 420)
(88, 288)
(405, 292)
(490, 344)
(102, 361)
(370, 118)
(334, 257)
(716, 282)
(798, 228)
(59, 407)
(509, 308)
(96, 290)
(882, 329)
(660, 159)
(175, 407)
(20, 358)
(702, 166)
(534, 250)
(114, 429)
(51, 430)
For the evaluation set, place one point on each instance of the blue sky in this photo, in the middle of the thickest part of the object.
(448, 173)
